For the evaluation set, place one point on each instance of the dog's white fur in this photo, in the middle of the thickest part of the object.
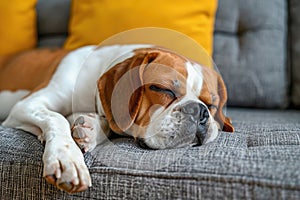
(43, 112)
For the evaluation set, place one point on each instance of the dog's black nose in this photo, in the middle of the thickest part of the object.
(198, 111)
(200, 115)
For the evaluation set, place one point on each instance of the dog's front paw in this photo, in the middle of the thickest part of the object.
(84, 130)
(64, 166)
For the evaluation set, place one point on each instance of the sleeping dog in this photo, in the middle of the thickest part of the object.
(73, 100)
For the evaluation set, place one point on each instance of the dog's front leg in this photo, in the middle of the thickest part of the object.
(64, 164)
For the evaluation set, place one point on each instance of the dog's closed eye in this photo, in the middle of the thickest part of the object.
(163, 90)
(212, 107)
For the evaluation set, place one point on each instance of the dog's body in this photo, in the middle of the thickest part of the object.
(140, 90)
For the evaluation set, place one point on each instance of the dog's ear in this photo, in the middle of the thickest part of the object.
(220, 117)
(121, 91)
(214, 95)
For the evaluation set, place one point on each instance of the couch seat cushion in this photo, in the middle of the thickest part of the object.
(259, 161)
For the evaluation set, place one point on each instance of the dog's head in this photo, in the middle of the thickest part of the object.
(164, 99)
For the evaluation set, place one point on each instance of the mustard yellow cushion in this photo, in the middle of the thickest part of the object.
(17, 25)
(93, 21)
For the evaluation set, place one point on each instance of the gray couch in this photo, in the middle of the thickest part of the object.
(257, 50)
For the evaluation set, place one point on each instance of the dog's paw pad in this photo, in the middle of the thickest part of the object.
(84, 132)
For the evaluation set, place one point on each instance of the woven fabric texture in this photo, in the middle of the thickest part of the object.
(259, 161)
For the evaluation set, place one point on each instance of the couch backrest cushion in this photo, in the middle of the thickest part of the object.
(250, 51)
(249, 47)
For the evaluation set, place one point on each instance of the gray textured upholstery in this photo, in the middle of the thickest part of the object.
(261, 160)
(295, 50)
(250, 51)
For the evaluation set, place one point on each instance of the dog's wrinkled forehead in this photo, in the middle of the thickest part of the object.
(161, 57)
(166, 69)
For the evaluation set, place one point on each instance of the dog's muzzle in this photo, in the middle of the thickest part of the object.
(198, 114)
(186, 124)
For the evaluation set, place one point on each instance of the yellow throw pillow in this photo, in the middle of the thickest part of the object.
(17, 25)
(93, 21)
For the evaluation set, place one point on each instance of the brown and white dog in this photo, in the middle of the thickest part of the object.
(147, 92)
